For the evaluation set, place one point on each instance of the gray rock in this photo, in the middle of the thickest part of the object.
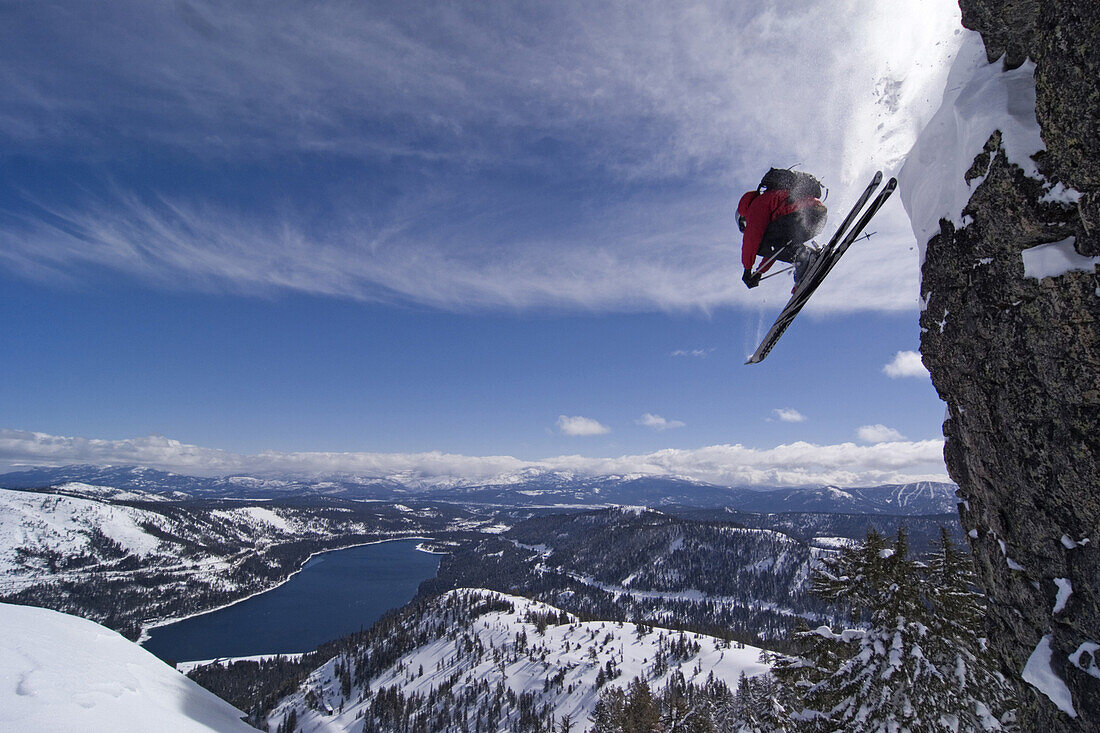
(1018, 360)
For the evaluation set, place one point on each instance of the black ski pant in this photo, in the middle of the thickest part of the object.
(787, 235)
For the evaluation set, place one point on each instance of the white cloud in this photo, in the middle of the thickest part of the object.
(581, 426)
(905, 364)
(697, 353)
(623, 95)
(878, 434)
(794, 464)
(657, 422)
(788, 414)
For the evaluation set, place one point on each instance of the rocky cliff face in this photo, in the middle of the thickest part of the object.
(1017, 359)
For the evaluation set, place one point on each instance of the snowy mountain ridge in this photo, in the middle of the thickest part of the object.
(459, 657)
(57, 535)
(622, 565)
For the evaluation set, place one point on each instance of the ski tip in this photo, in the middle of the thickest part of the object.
(877, 179)
(757, 356)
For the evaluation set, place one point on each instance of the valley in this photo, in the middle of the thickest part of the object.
(134, 561)
(535, 607)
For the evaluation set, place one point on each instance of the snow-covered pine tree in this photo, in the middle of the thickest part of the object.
(912, 662)
(641, 712)
(770, 711)
(758, 706)
(683, 711)
(974, 696)
(608, 714)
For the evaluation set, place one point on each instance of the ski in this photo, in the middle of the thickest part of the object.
(864, 220)
(843, 228)
(830, 254)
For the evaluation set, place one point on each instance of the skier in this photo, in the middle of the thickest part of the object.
(847, 233)
(777, 219)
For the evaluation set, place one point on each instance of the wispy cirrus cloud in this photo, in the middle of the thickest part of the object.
(793, 464)
(598, 172)
(425, 78)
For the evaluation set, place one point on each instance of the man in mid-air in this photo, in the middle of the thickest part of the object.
(777, 219)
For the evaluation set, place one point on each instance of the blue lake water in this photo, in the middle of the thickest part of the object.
(336, 593)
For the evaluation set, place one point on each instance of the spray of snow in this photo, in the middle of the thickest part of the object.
(980, 99)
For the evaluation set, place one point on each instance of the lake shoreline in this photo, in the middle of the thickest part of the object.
(147, 627)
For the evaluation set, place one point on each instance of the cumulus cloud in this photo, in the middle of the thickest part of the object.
(657, 422)
(789, 414)
(905, 364)
(581, 426)
(634, 103)
(878, 434)
(793, 464)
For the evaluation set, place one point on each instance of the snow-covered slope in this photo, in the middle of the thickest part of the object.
(63, 673)
(43, 534)
(467, 648)
(110, 493)
(166, 559)
(52, 536)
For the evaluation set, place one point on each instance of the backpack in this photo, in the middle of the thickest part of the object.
(801, 185)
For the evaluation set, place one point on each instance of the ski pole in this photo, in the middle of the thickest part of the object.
(768, 262)
(777, 272)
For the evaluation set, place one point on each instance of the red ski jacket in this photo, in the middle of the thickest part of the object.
(760, 210)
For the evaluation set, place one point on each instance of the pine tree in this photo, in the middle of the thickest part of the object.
(608, 714)
(912, 661)
(640, 714)
(763, 707)
(681, 712)
(970, 693)
(870, 689)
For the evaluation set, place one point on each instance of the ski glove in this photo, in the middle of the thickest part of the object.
(750, 279)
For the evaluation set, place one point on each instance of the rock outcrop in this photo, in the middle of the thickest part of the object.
(1017, 360)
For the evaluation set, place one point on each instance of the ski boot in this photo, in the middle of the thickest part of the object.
(803, 259)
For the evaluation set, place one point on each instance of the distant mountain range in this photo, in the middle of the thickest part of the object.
(547, 489)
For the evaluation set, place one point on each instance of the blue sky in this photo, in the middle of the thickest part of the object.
(400, 230)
